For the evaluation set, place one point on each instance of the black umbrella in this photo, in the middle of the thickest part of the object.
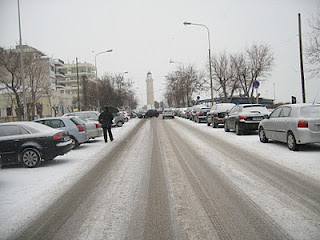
(111, 109)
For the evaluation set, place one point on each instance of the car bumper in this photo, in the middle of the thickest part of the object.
(304, 136)
(60, 149)
(250, 126)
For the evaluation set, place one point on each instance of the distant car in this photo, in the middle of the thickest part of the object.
(245, 117)
(217, 113)
(151, 113)
(117, 120)
(167, 113)
(28, 143)
(74, 125)
(294, 124)
(141, 113)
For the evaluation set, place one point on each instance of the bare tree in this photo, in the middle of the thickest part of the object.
(312, 49)
(10, 77)
(182, 84)
(255, 64)
(36, 68)
(224, 74)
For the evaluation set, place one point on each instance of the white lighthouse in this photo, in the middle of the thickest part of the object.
(150, 92)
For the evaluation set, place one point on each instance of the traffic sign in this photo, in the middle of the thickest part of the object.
(256, 84)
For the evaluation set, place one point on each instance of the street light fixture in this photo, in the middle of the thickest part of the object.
(95, 63)
(210, 67)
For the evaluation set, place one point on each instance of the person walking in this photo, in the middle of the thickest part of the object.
(105, 119)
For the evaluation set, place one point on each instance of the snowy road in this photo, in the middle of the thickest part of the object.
(175, 179)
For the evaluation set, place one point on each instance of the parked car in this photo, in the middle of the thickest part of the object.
(151, 113)
(141, 113)
(217, 113)
(200, 113)
(29, 143)
(294, 124)
(117, 120)
(245, 117)
(168, 113)
(93, 126)
(74, 125)
(125, 115)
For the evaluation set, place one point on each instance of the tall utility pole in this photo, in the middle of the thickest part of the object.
(78, 86)
(301, 62)
(25, 113)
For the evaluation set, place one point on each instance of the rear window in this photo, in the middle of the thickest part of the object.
(310, 111)
(204, 109)
(77, 121)
(255, 109)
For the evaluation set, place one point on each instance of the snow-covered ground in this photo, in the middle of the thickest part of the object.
(26, 192)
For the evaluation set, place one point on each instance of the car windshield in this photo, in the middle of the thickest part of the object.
(204, 109)
(77, 121)
(310, 111)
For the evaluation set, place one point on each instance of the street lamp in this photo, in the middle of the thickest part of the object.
(210, 67)
(95, 63)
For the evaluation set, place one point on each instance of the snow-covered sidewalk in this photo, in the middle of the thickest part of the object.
(24, 192)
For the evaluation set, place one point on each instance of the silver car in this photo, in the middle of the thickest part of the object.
(74, 125)
(294, 124)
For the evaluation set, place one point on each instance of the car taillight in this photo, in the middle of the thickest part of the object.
(302, 124)
(80, 128)
(201, 113)
(97, 125)
(242, 117)
(57, 136)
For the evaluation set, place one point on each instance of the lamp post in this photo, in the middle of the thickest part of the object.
(95, 63)
(25, 113)
(210, 67)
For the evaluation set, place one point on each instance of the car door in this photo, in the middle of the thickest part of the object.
(271, 125)
(282, 124)
(11, 138)
(232, 116)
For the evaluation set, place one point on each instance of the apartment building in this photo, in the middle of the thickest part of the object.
(49, 102)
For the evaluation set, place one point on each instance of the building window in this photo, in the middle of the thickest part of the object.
(9, 111)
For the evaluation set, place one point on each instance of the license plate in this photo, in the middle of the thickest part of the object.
(257, 118)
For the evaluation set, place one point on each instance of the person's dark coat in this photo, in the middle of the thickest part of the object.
(105, 119)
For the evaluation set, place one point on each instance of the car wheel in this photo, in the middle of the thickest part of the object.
(30, 158)
(119, 124)
(238, 131)
(226, 129)
(291, 142)
(74, 142)
(262, 135)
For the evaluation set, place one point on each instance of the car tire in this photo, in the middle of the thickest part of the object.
(262, 135)
(74, 142)
(30, 157)
(291, 142)
(120, 124)
(226, 129)
(237, 129)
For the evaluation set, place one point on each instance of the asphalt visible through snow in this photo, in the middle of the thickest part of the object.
(168, 180)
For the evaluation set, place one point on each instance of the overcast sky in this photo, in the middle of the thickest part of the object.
(146, 34)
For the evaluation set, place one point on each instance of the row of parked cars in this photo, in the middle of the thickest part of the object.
(293, 124)
(46, 138)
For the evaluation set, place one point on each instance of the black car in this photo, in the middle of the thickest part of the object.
(28, 143)
(245, 117)
(152, 113)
